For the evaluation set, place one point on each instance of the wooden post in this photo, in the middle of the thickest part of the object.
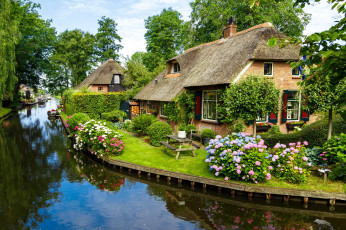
(332, 202)
(121, 168)
(139, 172)
(286, 198)
(158, 176)
(204, 186)
(268, 196)
(148, 174)
(306, 200)
(180, 181)
(168, 179)
(129, 170)
(192, 185)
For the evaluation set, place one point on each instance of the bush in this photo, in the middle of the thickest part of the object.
(114, 116)
(274, 130)
(239, 157)
(190, 128)
(315, 156)
(76, 120)
(127, 125)
(335, 149)
(315, 134)
(208, 133)
(141, 123)
(158, 132)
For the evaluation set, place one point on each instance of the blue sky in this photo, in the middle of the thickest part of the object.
(130, 16)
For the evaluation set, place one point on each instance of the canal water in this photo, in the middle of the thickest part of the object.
(46, 185)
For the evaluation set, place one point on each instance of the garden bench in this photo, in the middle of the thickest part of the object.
(195, 145)
(168, 145)
(180, 141)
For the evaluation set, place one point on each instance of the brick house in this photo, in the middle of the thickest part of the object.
(208, 67)
(106, 78)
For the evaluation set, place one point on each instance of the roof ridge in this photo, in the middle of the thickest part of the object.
(263, 25)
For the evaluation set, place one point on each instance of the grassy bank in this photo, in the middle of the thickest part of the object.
(4, 111)
(137, 151)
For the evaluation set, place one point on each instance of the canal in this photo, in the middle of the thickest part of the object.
(44, 184)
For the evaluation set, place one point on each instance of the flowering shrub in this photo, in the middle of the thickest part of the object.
(335, 149)
(290, 163)
(264, 124)
(96, 135)
(295, 122)
(74, 120)
(239, 157)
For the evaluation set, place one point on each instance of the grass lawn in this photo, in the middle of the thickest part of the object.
(4, 111)
(137, 151)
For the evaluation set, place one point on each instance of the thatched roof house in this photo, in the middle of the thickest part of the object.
(208, 67)
(106, 78)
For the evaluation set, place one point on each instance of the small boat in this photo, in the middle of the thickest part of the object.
(49, 97)
(52, 113)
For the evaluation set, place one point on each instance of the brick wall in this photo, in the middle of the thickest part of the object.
(95, 88)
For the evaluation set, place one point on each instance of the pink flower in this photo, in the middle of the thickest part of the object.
(243, 178)
(322, 154)
(217, 174)
(270, 167)
(324, 159)
(238, 171)
(239, 167)
(288, 162)
(261, 150)
(75, 128)
(309, 164)
(305, 158)
(251, 172)
(226, 178)
(269, 176)
(305, 143)
(257, 163)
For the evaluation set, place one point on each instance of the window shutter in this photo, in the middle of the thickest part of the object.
(198, 105)
(284, 106)
(304, 116)
(273, 118)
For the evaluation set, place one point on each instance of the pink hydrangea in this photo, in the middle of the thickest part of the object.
(238, 171)
(305, 143)
(270, 167)
(257, 163)
(251, 172)
(269, 176)
(305, 158)
(226, 178)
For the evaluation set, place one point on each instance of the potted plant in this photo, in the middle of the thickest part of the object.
(291, 124)
(207, 135)
(189, 129)
(263, 126)
(146, 139)
(182, 132)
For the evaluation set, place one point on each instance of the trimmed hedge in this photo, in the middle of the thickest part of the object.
(315, 134)
(141, 123)
(95, 104)
(114, 116)
(158, 132)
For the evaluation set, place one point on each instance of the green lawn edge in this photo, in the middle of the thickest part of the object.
(4, 111)
(137, 151)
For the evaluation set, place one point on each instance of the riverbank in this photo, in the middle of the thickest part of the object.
(4, 112)
(143, 157)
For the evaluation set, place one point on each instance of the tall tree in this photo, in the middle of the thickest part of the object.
(75, 49)
(164, 34)
(106, 40)
(35, 45)
(9, 35)
(209, 17)
(325, 63)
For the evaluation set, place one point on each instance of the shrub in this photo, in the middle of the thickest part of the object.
(335, 149)
(239, 157)
(127, 125)
(290, 163)
(141, 123)
(315, 156)
(208, 133)
(76, 120)
(114, 116)
(158, 132)
(190, 128)
(315, 134)
(274, 130)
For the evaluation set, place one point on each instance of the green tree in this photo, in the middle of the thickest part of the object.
(9, 35)
(75, 49)
(209, 17)
(325, 64)
(164, 34)
(106, 40)
(249, 99)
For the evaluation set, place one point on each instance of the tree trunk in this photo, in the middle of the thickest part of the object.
(254, 128)
(330, 124)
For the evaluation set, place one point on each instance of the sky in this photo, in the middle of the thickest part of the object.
(130, 16)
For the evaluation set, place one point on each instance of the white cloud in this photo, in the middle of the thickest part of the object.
(98, 7)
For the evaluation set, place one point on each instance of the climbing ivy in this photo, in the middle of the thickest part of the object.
(181, 109)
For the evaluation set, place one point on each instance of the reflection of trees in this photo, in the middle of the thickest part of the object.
(29, 172)
(95, 173)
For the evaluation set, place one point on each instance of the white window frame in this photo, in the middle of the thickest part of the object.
(172, 70)
(162, 104)
(206, 91)
(100, 88)
(261, 121)
(113, 80)
(299, 104)
(271, 71)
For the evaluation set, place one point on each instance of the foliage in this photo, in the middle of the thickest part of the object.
(141, 123)
(181, 109)
(315, 156)
(68, 95)
(96, 103)
(335, 149)
(190, 127)
(106, 38)
(338, 172)
(208, 18)
(315, 133)
(164, 33)
(275, 129)
(239, 157)
(290, 163)
(208, 133)
(102, 139)
(114, 116)
(264, 124)
(158, 132)
(295, 122)
(127, 125)
(9, 35)
(74, 120)
(249, 99)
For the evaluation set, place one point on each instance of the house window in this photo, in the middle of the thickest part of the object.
(268, 69)
(295, 72)
(293, 105)
(176, 67)
(210, 105)
(100, 89)
(262, 118)
(163, 110)
(116, 79)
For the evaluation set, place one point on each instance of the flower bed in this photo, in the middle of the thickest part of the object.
(241, 157)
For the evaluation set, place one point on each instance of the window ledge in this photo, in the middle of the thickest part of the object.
(163, 116)
(171, 75)
(210, 121)
(296, 77)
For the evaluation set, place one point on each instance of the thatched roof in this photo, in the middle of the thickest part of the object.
(219, 62)
(102, 75)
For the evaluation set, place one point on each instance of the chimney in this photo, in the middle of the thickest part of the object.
(230, 29)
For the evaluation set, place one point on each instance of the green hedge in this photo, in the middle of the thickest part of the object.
(315, 134)
(96, 103)
(114, 116)
(158, 132)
